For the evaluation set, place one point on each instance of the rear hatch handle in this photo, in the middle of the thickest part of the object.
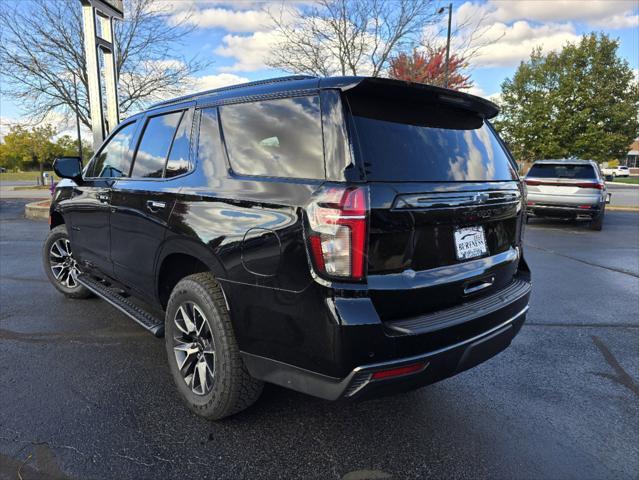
(476, 287)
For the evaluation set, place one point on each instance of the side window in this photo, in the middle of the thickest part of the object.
(178, 162)
(275, 138)
(153, 149)
(114, 160)
(209, 150)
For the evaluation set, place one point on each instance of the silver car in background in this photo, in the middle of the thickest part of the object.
(567, 188)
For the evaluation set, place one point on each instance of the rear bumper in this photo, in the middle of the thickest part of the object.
(563, 206)
(480, 335)
(562, 211)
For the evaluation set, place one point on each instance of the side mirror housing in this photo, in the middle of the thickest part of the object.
(68, 167)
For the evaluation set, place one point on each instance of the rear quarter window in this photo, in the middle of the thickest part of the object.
(275, 138)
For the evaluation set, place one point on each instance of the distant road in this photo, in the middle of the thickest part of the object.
(623, 195)
(7, 191)
(16, 183)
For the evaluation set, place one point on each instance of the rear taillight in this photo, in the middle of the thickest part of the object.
(337, 219)
(597, 185)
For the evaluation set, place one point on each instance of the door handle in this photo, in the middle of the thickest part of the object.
(154, 205)
(476, 288)
(103, 197)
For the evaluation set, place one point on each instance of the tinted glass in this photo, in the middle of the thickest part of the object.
(553, 170)
(154, 146)
(209, 143)
(114, 160)
(427, 142)
(276, 138)
(178, 162)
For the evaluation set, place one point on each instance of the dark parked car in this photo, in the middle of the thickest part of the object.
(344, 237)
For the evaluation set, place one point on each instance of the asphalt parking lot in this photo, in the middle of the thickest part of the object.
(85, 393)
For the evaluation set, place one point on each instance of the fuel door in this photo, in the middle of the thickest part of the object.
(261, 252)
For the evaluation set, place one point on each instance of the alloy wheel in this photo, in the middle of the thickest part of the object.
(63, 265)
(194, 348)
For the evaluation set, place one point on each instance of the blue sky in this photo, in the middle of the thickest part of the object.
(236, 36)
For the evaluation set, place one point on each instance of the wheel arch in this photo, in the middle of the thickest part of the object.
(55, 219)
(180, 259)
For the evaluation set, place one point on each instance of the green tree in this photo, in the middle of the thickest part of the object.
(67, 146)
(27, 149)
(7, 160)
(580, 102)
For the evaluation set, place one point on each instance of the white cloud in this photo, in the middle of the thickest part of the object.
(228, 19)
(514, 43)
(509, 30)
(209, 82)
(494, 97)
(476, 90)
(559, 10)
(250, 51)
(5, 125)
(617, 21)
(182, 5)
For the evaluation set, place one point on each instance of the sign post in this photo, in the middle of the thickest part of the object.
(99, 46)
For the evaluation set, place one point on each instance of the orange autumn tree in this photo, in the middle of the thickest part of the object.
(430, 67)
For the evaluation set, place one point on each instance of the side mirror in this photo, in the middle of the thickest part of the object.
(68, 167)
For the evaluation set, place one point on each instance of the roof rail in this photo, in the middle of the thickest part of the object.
(233, 87)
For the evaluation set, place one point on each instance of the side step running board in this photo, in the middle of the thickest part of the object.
(141, 316)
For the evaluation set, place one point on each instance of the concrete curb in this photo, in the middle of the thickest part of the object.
(37, 210)
(622, 209)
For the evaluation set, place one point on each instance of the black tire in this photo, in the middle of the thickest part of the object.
(232, 389)
(597, 222)
(56, 251)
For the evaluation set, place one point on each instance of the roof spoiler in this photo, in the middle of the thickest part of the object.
(402, 90)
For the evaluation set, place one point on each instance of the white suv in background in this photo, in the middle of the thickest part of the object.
(572, 189)
(619, 171)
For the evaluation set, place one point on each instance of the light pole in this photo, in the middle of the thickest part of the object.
(77, 114)
(450, 16)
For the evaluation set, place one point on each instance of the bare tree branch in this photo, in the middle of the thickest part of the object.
(469, 36)
(347, 37)
(42, 48)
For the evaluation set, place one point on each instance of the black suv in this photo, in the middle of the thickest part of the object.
(344, 237)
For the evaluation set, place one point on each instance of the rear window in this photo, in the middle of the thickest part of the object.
(553, 170)
(275, 138)
(426, 142)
